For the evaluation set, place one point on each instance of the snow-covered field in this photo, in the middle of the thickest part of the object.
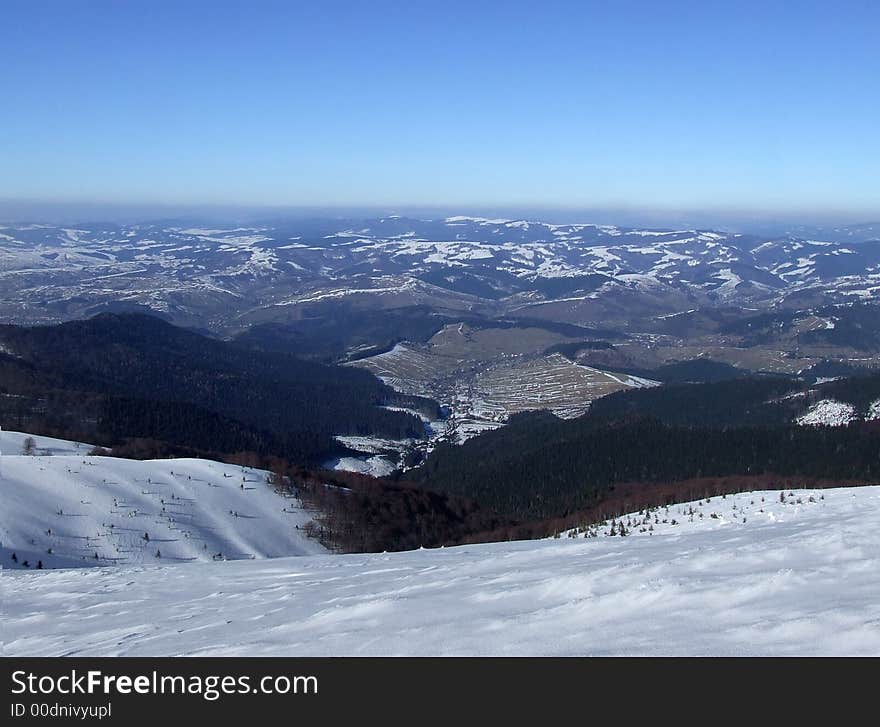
(828, 412)
(12, 443)
(833, 413)
(74, 510)
(801, 578)
(739, 510)
(374, 465)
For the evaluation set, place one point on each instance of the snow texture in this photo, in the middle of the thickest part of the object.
(66, 509)
(375, 465)
(12, 443)
(803, 580)
(828, 412)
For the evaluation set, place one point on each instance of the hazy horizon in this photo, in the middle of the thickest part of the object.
(750, 221)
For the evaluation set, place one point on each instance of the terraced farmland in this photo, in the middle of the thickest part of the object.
(549, 382)
(489, 374)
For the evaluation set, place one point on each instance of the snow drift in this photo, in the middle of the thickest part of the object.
(800, 576)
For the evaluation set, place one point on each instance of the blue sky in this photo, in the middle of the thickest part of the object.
(686, 105)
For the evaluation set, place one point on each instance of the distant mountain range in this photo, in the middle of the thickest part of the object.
(224, 279)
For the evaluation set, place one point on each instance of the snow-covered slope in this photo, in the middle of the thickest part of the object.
(375, 465)
(64, 510)
(739, 510)
(803, 582)
(210, 277)
(828, 412)
(12, 443)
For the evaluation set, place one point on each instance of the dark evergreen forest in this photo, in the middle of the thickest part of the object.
(120, 376)
(539, 466)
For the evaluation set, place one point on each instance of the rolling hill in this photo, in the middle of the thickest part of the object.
(62, 508)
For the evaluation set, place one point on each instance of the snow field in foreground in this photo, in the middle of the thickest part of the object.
(802, 582)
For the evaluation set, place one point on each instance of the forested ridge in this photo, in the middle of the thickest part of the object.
(333, 332)
(731, 402)
(541, 467)
(744, 401)
(330, 332)
(130, 375)
(856, 325)
(358, 513)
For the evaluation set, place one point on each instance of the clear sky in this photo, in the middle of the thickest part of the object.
(713, 105)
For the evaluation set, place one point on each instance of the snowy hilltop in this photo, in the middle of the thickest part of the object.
(63, 508)
(783, 573)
